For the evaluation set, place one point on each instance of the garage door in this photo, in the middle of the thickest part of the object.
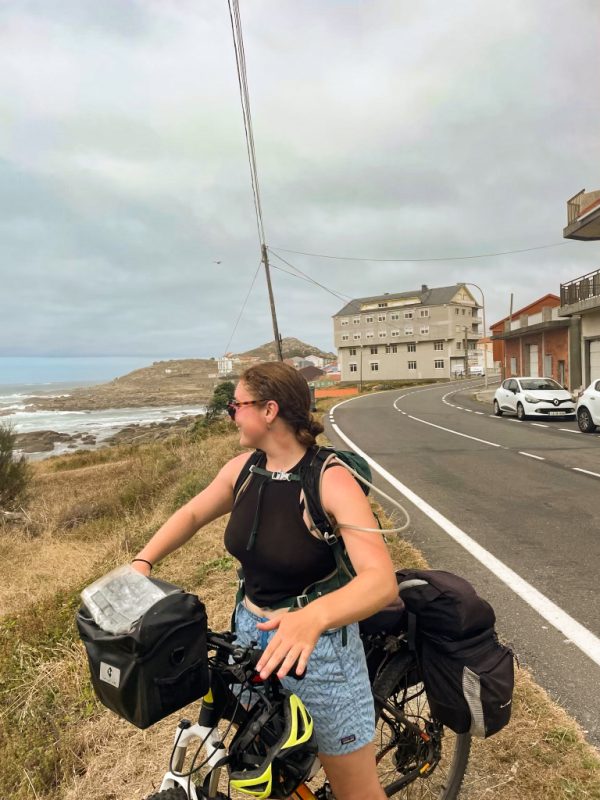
(533, 360)
(595, 360)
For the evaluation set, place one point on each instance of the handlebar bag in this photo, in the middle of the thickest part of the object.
(156, 668)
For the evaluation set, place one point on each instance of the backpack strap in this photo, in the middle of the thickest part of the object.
(256, 458)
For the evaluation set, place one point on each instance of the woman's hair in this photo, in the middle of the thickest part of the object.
(280, 382)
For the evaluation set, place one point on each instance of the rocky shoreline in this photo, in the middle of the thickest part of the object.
(46, 441)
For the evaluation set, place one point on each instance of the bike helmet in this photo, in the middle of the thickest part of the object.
(273, 751)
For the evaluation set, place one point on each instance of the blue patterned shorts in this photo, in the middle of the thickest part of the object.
(336, 687)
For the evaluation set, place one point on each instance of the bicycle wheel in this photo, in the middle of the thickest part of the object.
(417, 757)
(176, 793)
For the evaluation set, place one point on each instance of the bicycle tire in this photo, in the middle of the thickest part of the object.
(176, 793)
(397, 746)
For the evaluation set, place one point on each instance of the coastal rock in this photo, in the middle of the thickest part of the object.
(40, 441)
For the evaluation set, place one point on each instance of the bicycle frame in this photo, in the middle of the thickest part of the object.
(233, 665)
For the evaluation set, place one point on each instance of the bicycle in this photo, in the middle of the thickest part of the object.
(416, 755)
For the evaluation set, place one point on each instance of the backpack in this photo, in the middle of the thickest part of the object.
(468, 673)
(321, 525)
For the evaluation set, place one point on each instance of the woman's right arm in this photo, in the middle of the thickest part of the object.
(211, 503)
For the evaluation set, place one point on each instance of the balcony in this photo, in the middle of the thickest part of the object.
(583, 216)
(580, 295)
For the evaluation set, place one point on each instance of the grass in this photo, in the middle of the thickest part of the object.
(90, 513)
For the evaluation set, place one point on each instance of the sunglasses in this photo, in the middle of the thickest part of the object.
(234, 405)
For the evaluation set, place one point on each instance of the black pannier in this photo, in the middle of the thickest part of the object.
(158, 667)
(467, 672)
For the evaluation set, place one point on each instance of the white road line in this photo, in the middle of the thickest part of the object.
(587, 472)
(585, 640)
(460, 407)
(514, 420)
(479, 412)
(468, 410)
(456, 433)
(530, 455)
(568, 430)
(538, 424)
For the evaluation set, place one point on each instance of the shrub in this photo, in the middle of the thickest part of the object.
(15, 472)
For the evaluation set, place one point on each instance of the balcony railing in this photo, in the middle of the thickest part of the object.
(580, 289)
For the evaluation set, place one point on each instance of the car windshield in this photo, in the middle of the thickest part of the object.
(540, 384)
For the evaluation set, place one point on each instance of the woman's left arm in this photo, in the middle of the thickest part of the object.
(373, 587)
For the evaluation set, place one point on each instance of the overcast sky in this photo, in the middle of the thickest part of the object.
(383, 130)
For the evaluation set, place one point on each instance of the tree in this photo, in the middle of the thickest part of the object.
(222, 395)
(15, 472)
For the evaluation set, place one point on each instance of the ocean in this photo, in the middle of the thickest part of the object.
(22, 378)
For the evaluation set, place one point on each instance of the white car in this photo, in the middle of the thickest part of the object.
(533, 397)
(588, 408)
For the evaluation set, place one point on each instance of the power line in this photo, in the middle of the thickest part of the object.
(308, 278)
(240, 60)
(414, 260)
(242, 308)
(242, 75)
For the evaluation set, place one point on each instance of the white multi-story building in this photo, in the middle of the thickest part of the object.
(408, 335)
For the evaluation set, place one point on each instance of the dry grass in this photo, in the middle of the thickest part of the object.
(74, 748)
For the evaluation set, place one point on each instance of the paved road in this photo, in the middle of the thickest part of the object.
(517, 489)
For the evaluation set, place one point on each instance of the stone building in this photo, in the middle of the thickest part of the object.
(426, 333)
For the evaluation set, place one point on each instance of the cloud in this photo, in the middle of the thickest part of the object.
(383, 130)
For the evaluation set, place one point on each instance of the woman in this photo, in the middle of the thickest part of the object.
(267, 532)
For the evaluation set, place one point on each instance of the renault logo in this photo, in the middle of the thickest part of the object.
(556, 401)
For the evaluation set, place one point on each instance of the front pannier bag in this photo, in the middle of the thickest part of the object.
(467, 673)
(156, 668)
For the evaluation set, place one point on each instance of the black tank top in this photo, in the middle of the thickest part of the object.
(284, 557)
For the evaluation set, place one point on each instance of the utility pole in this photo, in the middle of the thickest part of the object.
(466, 346)
(265, 259)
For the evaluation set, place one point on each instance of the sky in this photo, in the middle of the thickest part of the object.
(383, 130)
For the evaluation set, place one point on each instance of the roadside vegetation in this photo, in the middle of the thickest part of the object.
(91, 511)
(15, 473)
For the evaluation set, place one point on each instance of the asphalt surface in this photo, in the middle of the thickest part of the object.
(516, 489)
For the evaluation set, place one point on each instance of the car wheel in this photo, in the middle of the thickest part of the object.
(584, 420)
(497, 409)
(521, 412)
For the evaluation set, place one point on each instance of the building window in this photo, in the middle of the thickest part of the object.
(356, 336)
(368, 319)
(381, 305)
(424, 330)
(464, 311)
(369, 335)
(374, 351)
(438, 363)
(438, 345)
(395, 316)
(374, 366)
(458, 328)
(457, 310)
(412, 364)
(408, 315)
(356, 321)
(353, 351)
(408, 331)
(345, 322)
(395, 332)
(383, 334)
(345, 337)
(411, 347)
(391, 348)
(472, 345)
(458, 344)
(353, 367)
(381, 318)
(423, 312)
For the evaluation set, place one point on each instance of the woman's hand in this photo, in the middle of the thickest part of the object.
(143, 567)
(297, 634)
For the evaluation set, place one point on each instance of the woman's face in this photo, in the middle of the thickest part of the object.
(250, 417)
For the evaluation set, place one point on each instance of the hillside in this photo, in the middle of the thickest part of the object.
(291, 347)
(189, 381)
